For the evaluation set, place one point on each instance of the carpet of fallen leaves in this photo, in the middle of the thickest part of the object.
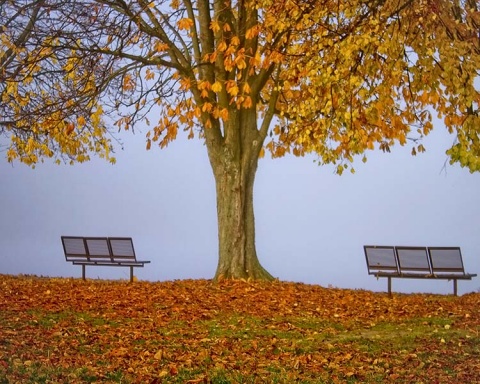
(55, 330)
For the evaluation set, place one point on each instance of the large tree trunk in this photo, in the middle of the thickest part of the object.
(234, 163)
(236, 224)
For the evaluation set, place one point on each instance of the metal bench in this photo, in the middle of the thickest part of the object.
(106, 251)
(416, 263)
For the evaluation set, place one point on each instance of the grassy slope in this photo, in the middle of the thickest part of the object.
(70, 331)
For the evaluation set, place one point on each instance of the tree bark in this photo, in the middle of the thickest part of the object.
(236, 224)
(234, 162)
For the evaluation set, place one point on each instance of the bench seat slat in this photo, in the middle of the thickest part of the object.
(451, 276)
(112, 263)
(386, 274)
(437, 277)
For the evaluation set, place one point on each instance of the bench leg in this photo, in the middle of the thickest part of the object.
(83, 271)
(131, 274)
(389, 286)
(455, 287)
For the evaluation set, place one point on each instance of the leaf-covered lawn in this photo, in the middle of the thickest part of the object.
(70, 331)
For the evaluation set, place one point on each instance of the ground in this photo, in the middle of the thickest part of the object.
(195, 331)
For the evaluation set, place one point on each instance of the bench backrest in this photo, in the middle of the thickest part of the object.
(446, 260)
(98, 248)
(380, 258)
(122, 248)
(74, 248)
(413, 260)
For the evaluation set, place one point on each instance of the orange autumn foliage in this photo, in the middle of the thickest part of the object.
(196, 331)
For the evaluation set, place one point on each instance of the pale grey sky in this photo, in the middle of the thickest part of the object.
(311, 224)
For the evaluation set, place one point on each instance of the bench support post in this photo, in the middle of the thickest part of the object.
(83, 271)
(454, 287)
(389, 286)
(131, 274)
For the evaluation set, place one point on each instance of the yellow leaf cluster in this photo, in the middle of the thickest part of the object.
(342, 93)
(50, 131)
(185, 24)
(183, 113)
(341, 77)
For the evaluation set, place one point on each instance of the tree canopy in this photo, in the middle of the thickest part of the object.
(340, 76)
(331, 77)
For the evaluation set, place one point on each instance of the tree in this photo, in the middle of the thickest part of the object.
(331, 77)
(36, 104)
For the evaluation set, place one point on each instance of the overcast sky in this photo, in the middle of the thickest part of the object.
(311, 224)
